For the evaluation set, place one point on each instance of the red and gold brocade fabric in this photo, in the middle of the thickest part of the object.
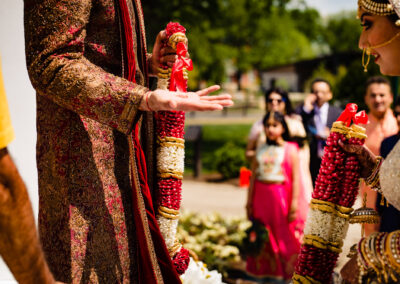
(91, 220)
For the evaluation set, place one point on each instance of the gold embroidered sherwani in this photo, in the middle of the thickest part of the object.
(85, 111)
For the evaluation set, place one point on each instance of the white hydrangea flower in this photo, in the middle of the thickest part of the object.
(197, 273)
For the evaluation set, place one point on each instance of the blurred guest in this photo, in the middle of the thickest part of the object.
(276, 199)
(318, 116)
(19, 242)
(277, 99)
(382, 123)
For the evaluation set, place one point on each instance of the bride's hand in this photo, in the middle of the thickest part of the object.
(366, 158)
(350, 271)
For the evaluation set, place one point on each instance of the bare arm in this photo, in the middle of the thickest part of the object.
(19, 243)
(251, 149)
(250, 192)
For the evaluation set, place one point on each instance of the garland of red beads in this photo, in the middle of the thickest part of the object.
(171, 124)
(181, 260)
(316, 263)
(351, 176)
(337, 183)
(169, 193)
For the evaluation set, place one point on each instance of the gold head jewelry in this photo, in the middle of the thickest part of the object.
(368, 50)
(373, 7)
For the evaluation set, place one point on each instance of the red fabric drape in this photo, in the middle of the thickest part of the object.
(146, 272)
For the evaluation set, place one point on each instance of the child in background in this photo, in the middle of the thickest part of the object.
(276, 199)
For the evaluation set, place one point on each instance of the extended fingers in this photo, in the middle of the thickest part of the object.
(208, 90)
(217, 97)
(224, 100)
(200, 106)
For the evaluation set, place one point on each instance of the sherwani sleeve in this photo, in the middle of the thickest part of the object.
(55, 33)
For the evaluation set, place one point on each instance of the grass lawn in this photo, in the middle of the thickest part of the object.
(214, 137)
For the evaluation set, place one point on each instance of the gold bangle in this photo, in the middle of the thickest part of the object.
(367, 254)
(392, 259)
(379, 256)
(375, 170)
(385, 258)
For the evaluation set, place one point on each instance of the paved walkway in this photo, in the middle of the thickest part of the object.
(209, 197)
(229, 200)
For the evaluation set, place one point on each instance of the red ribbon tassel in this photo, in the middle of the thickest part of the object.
(360, 118)
(177, 81)
(348, 114)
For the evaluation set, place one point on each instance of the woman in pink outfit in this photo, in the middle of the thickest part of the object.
(276, 199)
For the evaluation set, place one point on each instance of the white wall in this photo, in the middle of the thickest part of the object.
(21, 99)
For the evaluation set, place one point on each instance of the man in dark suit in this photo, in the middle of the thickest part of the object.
(318, 116)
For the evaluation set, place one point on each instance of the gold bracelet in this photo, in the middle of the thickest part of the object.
(367, 253)
(375, 172)
(391, 251)
(385, 258)
(379, 255)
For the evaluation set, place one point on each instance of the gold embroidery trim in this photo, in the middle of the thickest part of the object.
(171, 144)
(175, 38)
(164, 71)
(172, 140)
(299, 279)
(168, 213)
(163, 76)
(177, 175)
(320, 243)
(174, 249)
(143, 216)
(169, 210)
(357, 132)
(329, 207)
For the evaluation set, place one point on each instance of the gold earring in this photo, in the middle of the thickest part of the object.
(363, 63)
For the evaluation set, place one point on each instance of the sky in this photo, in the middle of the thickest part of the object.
(21, 96)
(326, 7)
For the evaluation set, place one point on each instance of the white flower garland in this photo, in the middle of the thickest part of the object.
(170, 159)
(163, 84)
(318, 222)
(169, 228)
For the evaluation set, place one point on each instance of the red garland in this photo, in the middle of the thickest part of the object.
(181, 260)
(172, 124)
(337, 182)
(170, 193)
(173, 28)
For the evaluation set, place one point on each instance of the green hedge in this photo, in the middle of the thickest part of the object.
(216, 137)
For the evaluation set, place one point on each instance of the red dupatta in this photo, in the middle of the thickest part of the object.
(155, 265)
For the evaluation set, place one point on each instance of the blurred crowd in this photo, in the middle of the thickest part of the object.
(306, 127)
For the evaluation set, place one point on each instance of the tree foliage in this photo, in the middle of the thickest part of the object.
(251, 34)
(342, 32)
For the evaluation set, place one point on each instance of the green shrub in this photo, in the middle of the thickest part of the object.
(228, 160)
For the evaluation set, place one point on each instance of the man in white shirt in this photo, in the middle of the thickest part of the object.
(318, 116)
